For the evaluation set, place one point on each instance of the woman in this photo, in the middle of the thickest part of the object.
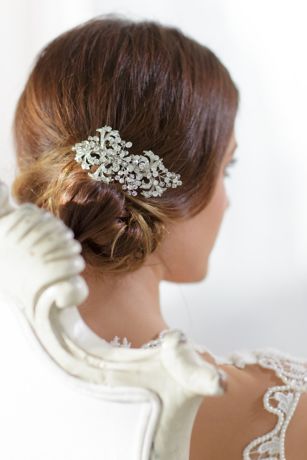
(165, 93)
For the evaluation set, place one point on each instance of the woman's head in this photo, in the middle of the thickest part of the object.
(187, 248)
(162, 91)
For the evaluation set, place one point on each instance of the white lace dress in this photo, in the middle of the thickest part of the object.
(280, 400)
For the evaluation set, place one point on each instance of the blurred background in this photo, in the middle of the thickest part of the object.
(255, 294)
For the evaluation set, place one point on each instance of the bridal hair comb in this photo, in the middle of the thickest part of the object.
(114, 163)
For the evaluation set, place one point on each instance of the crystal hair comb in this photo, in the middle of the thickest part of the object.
(114, 163)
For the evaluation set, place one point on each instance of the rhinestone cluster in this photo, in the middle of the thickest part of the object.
(114, 163)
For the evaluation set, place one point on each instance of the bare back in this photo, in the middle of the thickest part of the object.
(237, 425)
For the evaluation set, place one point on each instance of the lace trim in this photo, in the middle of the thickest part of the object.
(115, 342)
(152, 343)
(281, 400)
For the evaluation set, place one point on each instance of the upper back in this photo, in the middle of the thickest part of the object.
(262, 415)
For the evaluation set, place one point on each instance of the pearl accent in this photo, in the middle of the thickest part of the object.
(281, 400)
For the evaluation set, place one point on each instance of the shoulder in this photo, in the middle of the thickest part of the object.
(226, 425)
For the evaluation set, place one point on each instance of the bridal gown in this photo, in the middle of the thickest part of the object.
(281, 400)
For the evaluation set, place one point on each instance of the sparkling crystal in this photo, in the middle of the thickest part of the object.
(109, 154)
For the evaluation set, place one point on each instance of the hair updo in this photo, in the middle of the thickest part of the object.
(161, 90)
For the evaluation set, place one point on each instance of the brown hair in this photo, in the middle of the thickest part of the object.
(162, 90)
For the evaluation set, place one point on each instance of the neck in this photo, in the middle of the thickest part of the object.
(125, 306)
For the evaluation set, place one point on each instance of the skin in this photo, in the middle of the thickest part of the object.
(131, 305)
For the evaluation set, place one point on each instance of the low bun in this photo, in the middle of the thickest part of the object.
(162, 90)
(117, 232)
